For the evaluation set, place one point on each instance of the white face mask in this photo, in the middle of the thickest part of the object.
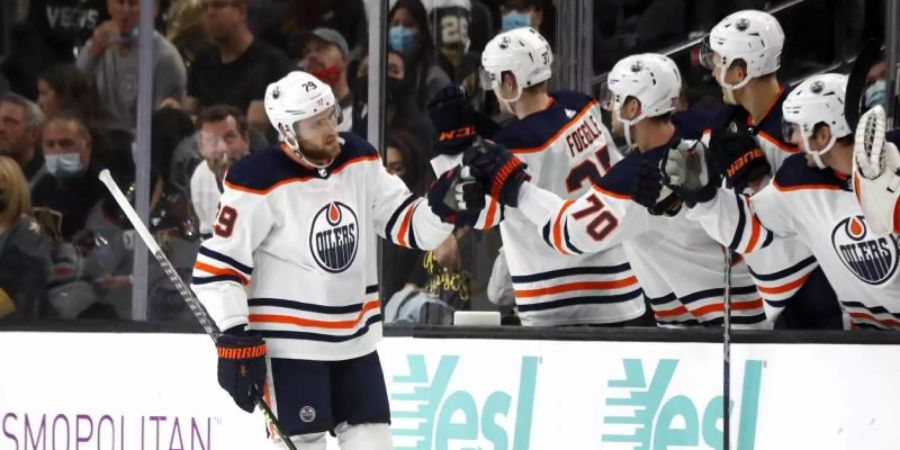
(66, 165)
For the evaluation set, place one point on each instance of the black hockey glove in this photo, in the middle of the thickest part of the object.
(689, 171)
(454, 120)
(739, 158)
(456, 198)
(500, 173)
(242, 367)
(648, 191)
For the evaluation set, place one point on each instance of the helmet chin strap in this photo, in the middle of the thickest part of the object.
(817, 156)
(293, 143)
(508, 101)
(627, 123)
(728, 89)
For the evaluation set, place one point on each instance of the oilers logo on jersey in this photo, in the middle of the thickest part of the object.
(872, 259)
(333, 237)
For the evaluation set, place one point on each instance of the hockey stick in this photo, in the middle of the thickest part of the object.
(209, 326)
(867, 57)
(726, 351)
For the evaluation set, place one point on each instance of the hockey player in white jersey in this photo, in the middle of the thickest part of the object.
(679, 267)
(290, 273)
(743, 52)
(815, 205)
(876, 172)
(562, 139)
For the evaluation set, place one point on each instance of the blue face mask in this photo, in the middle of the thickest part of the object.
(66, 165)
(875, 94)
(402, 39)
(514, 20)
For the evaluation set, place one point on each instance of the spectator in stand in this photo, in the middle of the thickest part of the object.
(410, 36)
(48, 32)
(72, 188)
(401, 112)
(236, 68)
(111, 58)
(276, 21)
(224, 139)
(326, 56)
(170, 219)
(64, 201)
(185, 29)
(24, 253)
(407, 161)
(20, 133)
(64, 88)
(537, 14)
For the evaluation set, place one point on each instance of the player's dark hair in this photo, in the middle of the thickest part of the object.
(69, 116)
(743, 65)
(416, 166)
(74, 90)
(843, 140)
(218, 113)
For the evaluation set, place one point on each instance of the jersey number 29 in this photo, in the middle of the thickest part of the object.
(225, 219)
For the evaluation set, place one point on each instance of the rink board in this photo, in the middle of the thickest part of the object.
(158, 391)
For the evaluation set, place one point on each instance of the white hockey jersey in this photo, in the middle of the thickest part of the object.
(784, 266)
(681, 268)
(818, 208)
(294, 250)
(567, 148)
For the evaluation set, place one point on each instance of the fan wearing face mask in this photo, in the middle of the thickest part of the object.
(743, 53)
(410, 35)
(72, 188)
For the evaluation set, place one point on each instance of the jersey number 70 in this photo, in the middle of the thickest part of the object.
(603, 222)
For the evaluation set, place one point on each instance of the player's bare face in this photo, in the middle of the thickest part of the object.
(318, 136)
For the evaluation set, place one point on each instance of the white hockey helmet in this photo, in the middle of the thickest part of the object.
(522, 52)
(653, 79)
(296, 97)
(818, 99)
(754, 37)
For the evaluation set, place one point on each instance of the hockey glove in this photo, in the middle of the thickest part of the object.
(456, 197)
(453, 119)
(876, 173)
(739, 157)
(242, 367)
(690, 172)
(648, 190)
(499, 171)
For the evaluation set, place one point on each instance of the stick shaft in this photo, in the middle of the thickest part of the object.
(209, 325)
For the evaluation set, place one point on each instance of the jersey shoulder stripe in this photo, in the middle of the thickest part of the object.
(796, 175)
(538, 131)
(263, 171)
